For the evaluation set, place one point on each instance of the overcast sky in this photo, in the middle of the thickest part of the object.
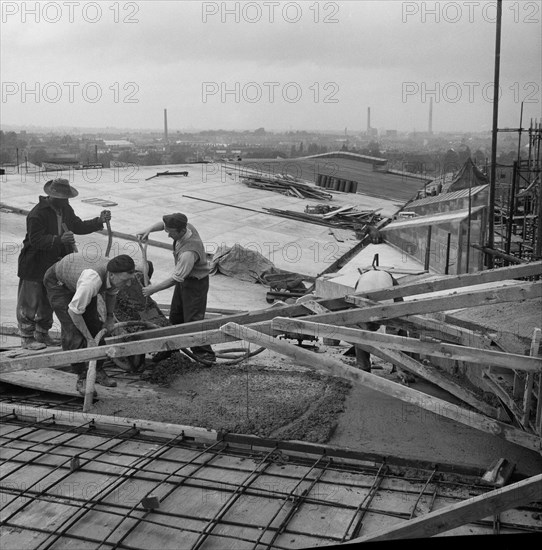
(301, 65)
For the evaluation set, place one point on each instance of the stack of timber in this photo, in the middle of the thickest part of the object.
(345, 217)
(168, 173)
(286, 185)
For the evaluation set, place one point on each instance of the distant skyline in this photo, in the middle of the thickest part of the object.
(304, 65)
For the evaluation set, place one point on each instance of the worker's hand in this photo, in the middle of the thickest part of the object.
(148, 290)
(109, 324)
(67, 238)
(91, 343)
(105, 216)
(143, 236)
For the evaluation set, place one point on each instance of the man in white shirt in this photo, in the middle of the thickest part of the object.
(73, 284)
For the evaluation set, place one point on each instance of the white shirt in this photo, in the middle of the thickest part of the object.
(184, 261)
(88, 286)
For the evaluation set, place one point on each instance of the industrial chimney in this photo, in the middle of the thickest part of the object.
(368, 120)
(165, 126)
(430, 128)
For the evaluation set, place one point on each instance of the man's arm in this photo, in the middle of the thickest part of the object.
(88, 286)
(110, 303)
(184, 266)
(144, 235)
(83, 227)
(39, 236)
(151, 289)
(79, 322)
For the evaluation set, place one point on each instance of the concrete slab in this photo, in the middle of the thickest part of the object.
(224, 210)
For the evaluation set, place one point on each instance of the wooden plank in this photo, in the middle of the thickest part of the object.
(335, 367)
(72, 418)
(477, 356)
(456, 281)
(476, 508)
(338, 211)
(341, 315)
(512, 293)
(63, 383)
(47, 360)
(179, 336)
(243, 318)
(432, 375)
(529, 381)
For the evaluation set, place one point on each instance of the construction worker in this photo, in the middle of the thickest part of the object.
(73, 284)
(50, 228)
(190, 277)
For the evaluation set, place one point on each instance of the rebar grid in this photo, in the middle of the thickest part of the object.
(62, 529)
(338, 468)
(171, 490)
(58, 467)
(241, 489)
(361, 509)
(299, 501)
(137, 470)
(290, 495)
(413, 511)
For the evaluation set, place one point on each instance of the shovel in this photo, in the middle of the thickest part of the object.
(143, 248)
(109, 238)
(91, 374)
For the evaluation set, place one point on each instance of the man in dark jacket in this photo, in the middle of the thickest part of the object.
(50, 229)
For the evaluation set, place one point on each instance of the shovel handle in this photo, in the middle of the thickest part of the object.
(109, 238)
(65, 229)
(91, 375)
(143, 248)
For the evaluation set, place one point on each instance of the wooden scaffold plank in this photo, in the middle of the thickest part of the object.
(502, 499)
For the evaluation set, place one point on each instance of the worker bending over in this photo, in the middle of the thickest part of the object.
(73, 285)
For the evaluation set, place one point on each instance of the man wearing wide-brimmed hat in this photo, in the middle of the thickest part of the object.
(50, 229)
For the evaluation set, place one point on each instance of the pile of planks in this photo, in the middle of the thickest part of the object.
(286, 185)
(346, 217)
(168, 173)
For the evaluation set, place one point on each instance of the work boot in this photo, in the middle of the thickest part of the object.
(45, 338)
(161, 355)
(31, 344)
(103, 379)
(81, 386)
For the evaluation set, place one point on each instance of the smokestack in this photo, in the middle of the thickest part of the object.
(368, 119)
(165, 125)
(430, 129)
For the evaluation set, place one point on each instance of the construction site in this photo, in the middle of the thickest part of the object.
(378, 355)
(285, 442)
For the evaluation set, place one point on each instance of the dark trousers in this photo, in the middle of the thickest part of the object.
(60, 297)
(189, 303)
(34, 312)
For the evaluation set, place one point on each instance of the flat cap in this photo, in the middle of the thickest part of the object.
(177, 220)
(121, 264)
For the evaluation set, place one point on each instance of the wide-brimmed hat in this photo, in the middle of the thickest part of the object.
(60, 188)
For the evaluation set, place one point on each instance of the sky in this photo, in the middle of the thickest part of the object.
(303, 65)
